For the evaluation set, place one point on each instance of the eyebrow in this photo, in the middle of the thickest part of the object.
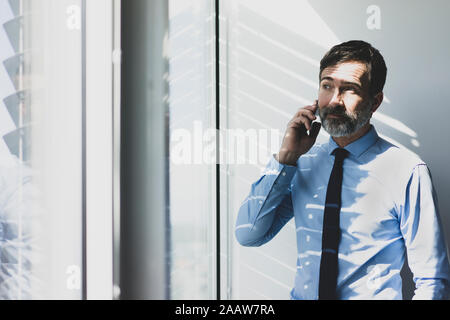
(344, 82)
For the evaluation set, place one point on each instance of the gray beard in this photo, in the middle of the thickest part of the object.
(347, 125)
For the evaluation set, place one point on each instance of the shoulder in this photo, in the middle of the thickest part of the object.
(398, 164)
(396, 155)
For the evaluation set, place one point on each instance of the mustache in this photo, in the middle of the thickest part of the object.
(337, 111)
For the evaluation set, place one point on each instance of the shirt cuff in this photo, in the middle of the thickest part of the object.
(284, 172)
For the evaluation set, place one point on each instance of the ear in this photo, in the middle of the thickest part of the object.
(377, 100)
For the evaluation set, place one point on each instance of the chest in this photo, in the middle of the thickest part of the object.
(368, 206)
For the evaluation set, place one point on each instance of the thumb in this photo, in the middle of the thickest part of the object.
(314, 132)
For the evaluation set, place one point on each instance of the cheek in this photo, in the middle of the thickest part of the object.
(352, 103)
(324, 98)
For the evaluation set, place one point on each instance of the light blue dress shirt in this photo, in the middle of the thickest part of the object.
(389, 209)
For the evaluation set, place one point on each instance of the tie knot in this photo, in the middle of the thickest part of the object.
(340, 154)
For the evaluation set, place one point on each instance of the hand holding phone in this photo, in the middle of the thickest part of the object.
(297, 140)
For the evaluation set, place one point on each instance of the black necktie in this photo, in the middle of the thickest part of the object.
(331, 232)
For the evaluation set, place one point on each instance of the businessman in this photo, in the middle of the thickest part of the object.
(360, 203)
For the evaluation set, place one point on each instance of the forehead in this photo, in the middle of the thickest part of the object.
(353, 71)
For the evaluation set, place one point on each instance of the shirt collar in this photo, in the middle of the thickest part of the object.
(357, 147)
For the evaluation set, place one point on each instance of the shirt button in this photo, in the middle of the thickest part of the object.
(305, 286)
(283, 174)
(260, 202)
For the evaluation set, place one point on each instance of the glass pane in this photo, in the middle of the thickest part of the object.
(262, 91)
(192, 176)
(41, 149)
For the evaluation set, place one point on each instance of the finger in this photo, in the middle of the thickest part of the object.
(313, 107)
(296, 124)
(302, 120)
(303, 111)
(308, 113)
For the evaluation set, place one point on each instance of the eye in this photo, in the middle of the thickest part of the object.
(350, 89)
(326, 86)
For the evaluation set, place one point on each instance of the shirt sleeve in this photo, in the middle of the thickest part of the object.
(424, 239)
(268, 207)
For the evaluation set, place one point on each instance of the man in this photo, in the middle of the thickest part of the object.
(359, 202)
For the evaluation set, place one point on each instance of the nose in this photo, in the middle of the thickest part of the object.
(336, 99)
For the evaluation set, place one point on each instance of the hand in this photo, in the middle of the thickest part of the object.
(296, 140)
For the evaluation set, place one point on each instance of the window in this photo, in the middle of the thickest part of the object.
(56, 149)
(192, 173)
(41, 78)
(116, 179)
